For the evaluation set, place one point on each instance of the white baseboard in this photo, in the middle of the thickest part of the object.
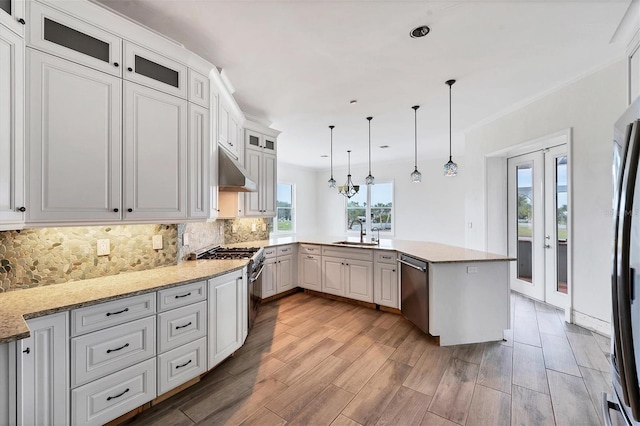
(591, 323)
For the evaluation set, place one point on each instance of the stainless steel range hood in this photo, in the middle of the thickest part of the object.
(232, 177)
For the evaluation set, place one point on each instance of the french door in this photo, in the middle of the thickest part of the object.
(538, 211)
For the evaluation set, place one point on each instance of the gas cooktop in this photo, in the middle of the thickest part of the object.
(225, 253)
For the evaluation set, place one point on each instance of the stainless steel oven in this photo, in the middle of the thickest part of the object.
(255, 286)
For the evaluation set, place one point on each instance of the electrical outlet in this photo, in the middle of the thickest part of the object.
(253, 227)
(264, 226)
(185, 239)
(157, 242)
(234, 229)
(103, 247)
(472, 269)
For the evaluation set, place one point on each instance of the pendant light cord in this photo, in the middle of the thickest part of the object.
(331, 127)
(450, 121)
(369, 118)
(415, 122)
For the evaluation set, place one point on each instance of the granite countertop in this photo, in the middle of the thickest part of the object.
(430, 252)
(16, 306)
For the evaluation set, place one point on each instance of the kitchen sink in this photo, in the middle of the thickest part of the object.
(355, 243)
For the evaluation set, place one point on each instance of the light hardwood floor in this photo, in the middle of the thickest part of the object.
(313, 361)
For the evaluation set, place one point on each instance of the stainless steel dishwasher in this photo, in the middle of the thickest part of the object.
(414, 289)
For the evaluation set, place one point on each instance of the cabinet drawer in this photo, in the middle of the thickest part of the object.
(153, 70)
(198, 89)
(108, 398)
(175, 297)
(386, 257)
(270, 252)
(284, 250)
(103, 352)
(181, 365)
(309, 249)
(97, 317)
(182, 325)
(70, 38)
(347, 253)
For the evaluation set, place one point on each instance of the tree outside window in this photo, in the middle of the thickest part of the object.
(285, 220)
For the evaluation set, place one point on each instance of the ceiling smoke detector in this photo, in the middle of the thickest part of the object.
(420, 31)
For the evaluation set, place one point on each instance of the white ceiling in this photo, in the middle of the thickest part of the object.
(298, 63)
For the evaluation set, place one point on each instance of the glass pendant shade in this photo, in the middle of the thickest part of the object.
(331, 181)
(370, 180)
(450, 168)
(416, 176)
(349, 189)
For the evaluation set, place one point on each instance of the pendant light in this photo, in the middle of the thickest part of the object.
(332, 181)
(451, 168)
(416, 176)
(349, 189)
(370, 180)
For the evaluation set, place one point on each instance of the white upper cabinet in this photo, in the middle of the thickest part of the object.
(12, 203)
(229, 129)
(198, 89)
(13, 16)
(261, 163)
(198, 153)
(153, 70)
(155, 154)
(214, 209)
(70, 38)
(74, 150)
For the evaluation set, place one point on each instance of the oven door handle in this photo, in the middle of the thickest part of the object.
(254, 279)
(607, 405)
(412, 265)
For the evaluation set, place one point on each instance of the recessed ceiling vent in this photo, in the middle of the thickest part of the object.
(419, 31)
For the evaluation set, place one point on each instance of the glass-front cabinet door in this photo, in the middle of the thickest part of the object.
(153, 70)
(65, 36)
(12, 14)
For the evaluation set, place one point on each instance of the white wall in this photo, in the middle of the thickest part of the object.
(432, 210)
(589, 107)
(305, 183)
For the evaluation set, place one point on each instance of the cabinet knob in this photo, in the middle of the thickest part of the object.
(115, 64)
(22, 21)
(393, 270)
(129, 210)
(116, 210)
(22, 209)
(26, 351)
(129, 69)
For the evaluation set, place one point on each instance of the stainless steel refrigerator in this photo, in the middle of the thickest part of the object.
(625, 277)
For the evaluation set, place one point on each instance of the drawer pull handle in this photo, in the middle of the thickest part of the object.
(386, 257)
(309, 257)
(119, 312)
(117, 396)
(117, 349)
(178, 327)
(180, 296)
(183, 365)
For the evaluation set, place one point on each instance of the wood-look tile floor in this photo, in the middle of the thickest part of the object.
(313, 361)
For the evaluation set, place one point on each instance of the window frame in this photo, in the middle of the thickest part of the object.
(368, 228)
(274, 221)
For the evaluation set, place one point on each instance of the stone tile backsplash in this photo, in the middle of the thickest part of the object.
(36, 257)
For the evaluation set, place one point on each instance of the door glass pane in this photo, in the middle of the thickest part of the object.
(524, 180)
(561, 223)
(156, 71)
(254, 140)
(60, 34)
(6, 6)
(269, 144)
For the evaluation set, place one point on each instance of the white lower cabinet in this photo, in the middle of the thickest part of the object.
(43, 372)
(182, 364)
(8, 383)
(114, 395)
(269, 278)
(182, 325)
(225, 315)
(348, 273)
(385, 280)
(310, 272)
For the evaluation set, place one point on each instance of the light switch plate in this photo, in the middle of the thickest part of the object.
(103, 247)
(185, 239)
(472, 269)
(253, 227)
(157, 242)
(264, 226)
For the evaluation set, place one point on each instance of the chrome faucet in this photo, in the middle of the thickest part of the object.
(361, 228)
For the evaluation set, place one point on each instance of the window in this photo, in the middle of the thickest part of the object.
(374, 202)
(284, 222)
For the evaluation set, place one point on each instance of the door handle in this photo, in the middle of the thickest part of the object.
(547, 246)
